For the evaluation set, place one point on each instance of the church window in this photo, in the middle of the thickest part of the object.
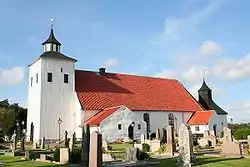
(31, 81)
(66, 78)
(171, 119)
(147, 120)
(61, 69)
(197, 128)
(49, 77)
(119, 126)
(36, 78)
(139, 126)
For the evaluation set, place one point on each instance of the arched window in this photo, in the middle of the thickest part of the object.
(171, 120)
(147, 120)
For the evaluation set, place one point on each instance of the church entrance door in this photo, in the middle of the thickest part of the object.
(131, 132)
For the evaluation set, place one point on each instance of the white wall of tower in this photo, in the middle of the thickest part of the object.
(34, 99)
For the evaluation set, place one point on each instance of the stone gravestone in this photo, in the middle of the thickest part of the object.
(27, 155)
(142, 138)
(105, 145)
(248, 139)
(95, 154)
(164, 136)
(34, 144)
(227, 135)
(66, 142)
(186, 155)
(22, 144)
(158, 134)
(14, 141)
(155, 145)
(31, 132)
(230, 148)
(170, 142)
(43, 143)
(130, 154)
(64, 155)
(72, 141)
(85, 145)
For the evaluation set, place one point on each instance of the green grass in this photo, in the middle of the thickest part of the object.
(209, 162)
(17, 162)
(203, 162)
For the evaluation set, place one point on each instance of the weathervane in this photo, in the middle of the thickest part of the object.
(203, 73)
(51, 22)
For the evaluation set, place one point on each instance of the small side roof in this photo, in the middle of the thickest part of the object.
(99, 117)
(200, 118)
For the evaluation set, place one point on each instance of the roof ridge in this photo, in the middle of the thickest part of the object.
(134, 75)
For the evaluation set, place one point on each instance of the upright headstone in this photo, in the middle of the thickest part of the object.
(206, 133)
(95, 154)
(22, 144)
(227, 135)
(170, 140)
(130, 154)
(31, 132)
(158, 134)
(34, 144)
(14, 141)
(72, 141)
(164, 135)
(105, 145)
(43, 143)
(64, 155)
(248, 139)
(27, 155)
(142, 138)
(85, 145)
(66, 142)
(186, 155)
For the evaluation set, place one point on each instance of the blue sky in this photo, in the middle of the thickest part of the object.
(164, 38)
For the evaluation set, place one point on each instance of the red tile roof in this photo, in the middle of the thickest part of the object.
(138, 93)
(200, 118)
(99, 117)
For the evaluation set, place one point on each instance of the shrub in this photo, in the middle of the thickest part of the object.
(162, 149)
(145, 147)
(34, 155)
(75, 155)
(142, 155)
(56, 156)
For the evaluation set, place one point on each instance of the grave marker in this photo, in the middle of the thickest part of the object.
(186, 155)
(95, 154)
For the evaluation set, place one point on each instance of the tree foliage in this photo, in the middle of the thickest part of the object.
(10, 114)
(241, 133)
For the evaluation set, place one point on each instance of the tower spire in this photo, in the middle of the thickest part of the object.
(51, 44)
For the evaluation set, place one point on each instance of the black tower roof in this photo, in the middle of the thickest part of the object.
(204, 87)
(52, 39)
(205, 99)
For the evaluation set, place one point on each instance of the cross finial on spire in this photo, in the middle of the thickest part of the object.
(203, 74)
(51, 22)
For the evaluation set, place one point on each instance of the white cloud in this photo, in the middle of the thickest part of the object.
(239, 109)
(171, 74)
(232, 69)
(209, 48)
(112, 62)
(11, 76)
(175, 27)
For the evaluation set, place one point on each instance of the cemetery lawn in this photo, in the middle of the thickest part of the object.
(17, 162)
(209, 162)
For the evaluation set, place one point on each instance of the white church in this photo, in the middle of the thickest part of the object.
(62, 98)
